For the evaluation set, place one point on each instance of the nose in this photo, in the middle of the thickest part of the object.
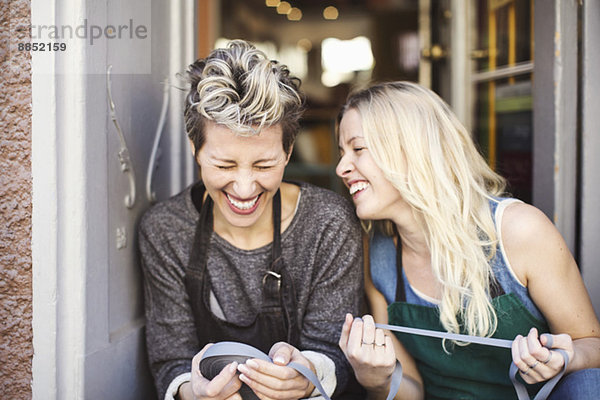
(344, 167)
(244, 184)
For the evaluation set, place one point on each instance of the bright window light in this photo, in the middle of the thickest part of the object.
(341, 58)
(295, 57)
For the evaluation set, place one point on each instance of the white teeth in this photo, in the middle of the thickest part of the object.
(358, 186)
(243, 205)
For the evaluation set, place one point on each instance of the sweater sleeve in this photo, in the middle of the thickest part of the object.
(337, 287)
(170, 331)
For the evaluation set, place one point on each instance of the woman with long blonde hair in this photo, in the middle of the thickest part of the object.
(448, 252)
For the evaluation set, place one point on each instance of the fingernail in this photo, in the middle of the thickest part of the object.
(242, 368)
(243, 378)
(358, 319)
(252, 364)
(549, 340)
(279, 359)
(233, 366)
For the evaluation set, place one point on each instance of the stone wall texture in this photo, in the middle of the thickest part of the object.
(16, 334)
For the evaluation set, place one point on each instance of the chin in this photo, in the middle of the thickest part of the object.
(242, 221)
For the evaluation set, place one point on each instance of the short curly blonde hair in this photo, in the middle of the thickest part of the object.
(239, 87)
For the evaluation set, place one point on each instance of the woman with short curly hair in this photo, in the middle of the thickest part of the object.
(243, 256)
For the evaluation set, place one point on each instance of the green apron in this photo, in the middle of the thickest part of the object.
(466, 372)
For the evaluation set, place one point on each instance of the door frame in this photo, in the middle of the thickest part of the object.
(70, 232)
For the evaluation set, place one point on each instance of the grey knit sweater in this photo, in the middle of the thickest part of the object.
(322, 252)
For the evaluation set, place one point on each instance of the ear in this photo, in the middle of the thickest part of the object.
(289, 154)
(192, 147)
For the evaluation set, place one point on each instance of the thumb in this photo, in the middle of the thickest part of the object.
(562, 341)
(281, 353)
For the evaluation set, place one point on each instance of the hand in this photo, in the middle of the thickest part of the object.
(275, 380)
(369, 351)
(537, 363)
(223, 386)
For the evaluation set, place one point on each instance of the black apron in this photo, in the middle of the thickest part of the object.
(275, 321)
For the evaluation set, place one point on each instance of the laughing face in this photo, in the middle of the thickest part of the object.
(374, 196)
(242, 174)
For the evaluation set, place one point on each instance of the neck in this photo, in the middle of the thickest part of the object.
(412, 236)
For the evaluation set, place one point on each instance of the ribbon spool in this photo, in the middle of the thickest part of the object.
(212, 366)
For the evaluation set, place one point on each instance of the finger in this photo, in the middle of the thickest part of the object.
(533, 369)
(517, 360)
(250, 374)
(343, 342)
(275, 389)
(368, 330)
(197, 358)
(281, 353)
(534, 346)
(562, 341)
(255, 367)
(355, 337)
(389, 349)
(232, 387)
(217, 385)
(379, 339)
(235, 396)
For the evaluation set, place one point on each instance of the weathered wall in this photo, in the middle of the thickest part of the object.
(16, 349)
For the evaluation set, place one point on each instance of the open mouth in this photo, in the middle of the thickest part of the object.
(243, 206)
(358, 187)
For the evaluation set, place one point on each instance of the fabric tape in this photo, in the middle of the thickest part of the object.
(228, 352)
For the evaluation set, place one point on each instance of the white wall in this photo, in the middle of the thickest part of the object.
(88, 310)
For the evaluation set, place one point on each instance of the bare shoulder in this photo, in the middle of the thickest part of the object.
(531, 240)
(521, 220)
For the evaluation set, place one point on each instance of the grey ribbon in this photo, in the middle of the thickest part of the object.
(520, 388)
(244, 350)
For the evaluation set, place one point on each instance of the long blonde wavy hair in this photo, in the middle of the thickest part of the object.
(448, 185)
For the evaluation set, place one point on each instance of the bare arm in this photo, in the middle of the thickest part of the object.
(542, 262)
(369, 361)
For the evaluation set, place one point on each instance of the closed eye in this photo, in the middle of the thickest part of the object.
(224, 167)
(263, 167)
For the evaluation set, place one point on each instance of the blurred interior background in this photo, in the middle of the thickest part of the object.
(477, 55)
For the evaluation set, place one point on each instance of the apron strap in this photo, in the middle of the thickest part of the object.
(272, 278)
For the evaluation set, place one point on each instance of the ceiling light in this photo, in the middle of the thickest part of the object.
(284, 8)
(330, 13)
(304, 44)
(295, 14)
